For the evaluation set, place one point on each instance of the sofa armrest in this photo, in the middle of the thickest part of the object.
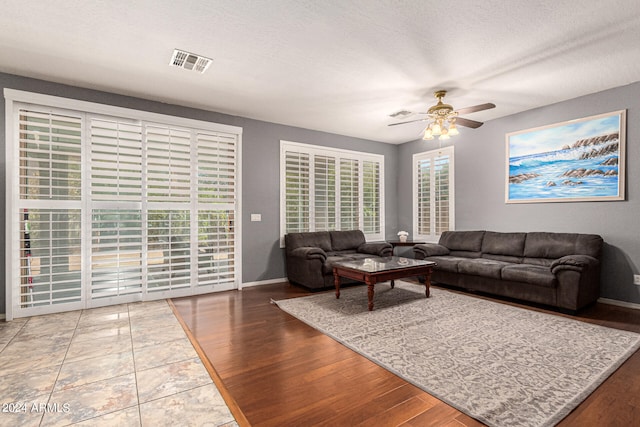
(425, 250)
(376, 248)
(309, 252)
(573, 262)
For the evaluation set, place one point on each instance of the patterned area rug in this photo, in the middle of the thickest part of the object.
(503, 365)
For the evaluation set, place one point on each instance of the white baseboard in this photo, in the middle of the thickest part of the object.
(619, 303)
(264, 282)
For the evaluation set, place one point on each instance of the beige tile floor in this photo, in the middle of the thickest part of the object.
(124, 365)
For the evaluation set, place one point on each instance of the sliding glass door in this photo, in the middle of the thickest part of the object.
(117, 209)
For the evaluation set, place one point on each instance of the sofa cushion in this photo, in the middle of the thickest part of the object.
(557, 245)
(319, 239)
(327, 268)
(462, 240)
(466, 254)
(544, 262)
(508, 244)
(482, 267)
(504, 258)
(446, 263)
(341, 253)
(526, 273)
(350, 239)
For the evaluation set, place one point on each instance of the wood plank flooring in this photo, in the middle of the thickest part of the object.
(278, 371)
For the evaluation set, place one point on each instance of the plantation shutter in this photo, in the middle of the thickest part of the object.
(424, 196)
(433, 193)
(349, 194)
(116, 252)
(442, 199)
(216, 166)
(371, 197)
(296, 190)
(116, 208)
(324, 174)
(168, 164)
(116, 161)
(328, 189)
(116, 215)
(48, 210)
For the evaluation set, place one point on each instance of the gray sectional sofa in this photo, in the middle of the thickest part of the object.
(310, 256)
(556, 269)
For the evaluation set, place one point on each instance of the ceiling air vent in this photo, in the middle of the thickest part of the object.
(189, 61)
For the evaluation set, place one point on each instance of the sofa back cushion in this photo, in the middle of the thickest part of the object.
(508, 247)
(462, 243)
(556, 245)
(344, 240)
(316, 239)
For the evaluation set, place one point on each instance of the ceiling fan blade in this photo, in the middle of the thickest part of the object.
(468, 123)
(410, 121)
(475, 108)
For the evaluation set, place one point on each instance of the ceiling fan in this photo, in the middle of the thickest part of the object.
(443, 118)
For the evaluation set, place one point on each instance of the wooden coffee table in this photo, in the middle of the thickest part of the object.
(380, 269)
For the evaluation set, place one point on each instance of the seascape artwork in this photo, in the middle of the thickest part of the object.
(581, 160)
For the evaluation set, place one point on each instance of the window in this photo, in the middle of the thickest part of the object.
(433, 194)
(324, 189)
(116, 208)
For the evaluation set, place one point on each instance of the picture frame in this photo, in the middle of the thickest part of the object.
(574, 161)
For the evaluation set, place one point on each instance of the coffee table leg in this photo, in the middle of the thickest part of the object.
(393, 283)
(427, 284)
(336, 282)
(370, 295)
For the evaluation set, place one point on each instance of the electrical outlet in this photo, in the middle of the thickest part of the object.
(636, 279)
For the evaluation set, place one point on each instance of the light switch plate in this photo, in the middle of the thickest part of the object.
(256, 217)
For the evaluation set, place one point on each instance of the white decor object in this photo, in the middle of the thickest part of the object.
(402, 235)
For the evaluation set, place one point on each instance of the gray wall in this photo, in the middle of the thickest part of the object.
(480, 187)
(480, 173)
(261, 253)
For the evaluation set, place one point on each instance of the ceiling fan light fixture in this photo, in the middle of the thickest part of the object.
(441, 118)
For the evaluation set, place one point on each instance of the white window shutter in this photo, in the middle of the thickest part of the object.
(296, 192)
(117, 209)
(325, 189)
(433, 196)
(324, 193)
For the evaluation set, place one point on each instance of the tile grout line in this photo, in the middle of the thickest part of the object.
(117, 375)
(135, 369)
(53, 388)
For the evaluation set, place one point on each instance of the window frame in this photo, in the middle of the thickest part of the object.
(432, 155)
(338, 154)
(17, 100)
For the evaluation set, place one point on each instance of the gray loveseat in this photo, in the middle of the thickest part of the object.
(310, 256)
(556, 269)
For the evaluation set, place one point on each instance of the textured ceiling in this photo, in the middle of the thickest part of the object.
(334, 65)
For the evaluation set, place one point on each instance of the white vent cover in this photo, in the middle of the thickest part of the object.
(189, 61)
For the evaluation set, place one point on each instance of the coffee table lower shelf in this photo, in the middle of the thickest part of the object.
(383, 275)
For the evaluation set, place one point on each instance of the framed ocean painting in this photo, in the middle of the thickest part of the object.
(575, 161)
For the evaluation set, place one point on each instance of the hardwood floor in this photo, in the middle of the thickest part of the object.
(278, 371)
